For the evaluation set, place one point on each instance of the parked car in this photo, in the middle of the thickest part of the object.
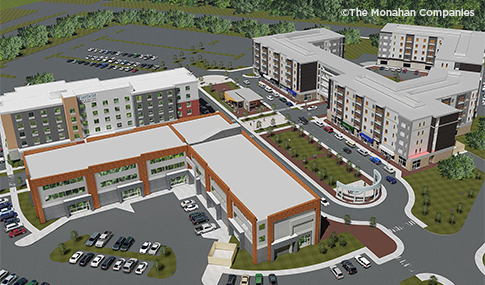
(231, 279)
(16, 232)
(119, 264)
(145, 247)
(8, 216)
(10, 279)
(85, 259)
(103, 239)
(328, 129)
(303, 120)
(416, 72)
(391, 179)
(3, 200)
(141, 268)
(76, 256)
(13, 226)
(70, 60)
(205, 228)
(92, 239)
(126, 245)
(129, 265)
(268, 89)
(118, 243)
(272, 279)
(261, 84)
(21, 281)
(33, 282)
(389, 169)
(375, 160)
(404, 70)
(97, 260)
(258, 279)
(154, 248)
(311, 108)
(186, 203)
(283, 99)
(6, 210)
(362, 151)
(347, 150)
(318, 123)
(324, 202)
(200, 219)
(195, 215)
(339, 136)
(289, 104)
(270, 97)
(44, 283)
(204, 110)
(363, 261)
(337, 272)
(107, 262)
(276, 93)
(3, 273)
(244, 280)
(347, 265)
(191, 208)
(381, 68)
(247, 82)
(350, 143)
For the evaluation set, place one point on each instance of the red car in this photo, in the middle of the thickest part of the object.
(328, 129)
(16, 232)
(134, 70)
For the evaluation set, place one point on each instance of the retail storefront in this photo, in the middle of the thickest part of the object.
(347, 127)
(389, 154)
(366, 139)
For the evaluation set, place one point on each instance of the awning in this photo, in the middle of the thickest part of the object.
(387, 150)
(348, 126)
(291, 91)
(366, 137)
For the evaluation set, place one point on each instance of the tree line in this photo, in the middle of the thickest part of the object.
(330, 10)
(65, 27)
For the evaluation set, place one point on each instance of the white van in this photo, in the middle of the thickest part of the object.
(2, 160)
(13, 226)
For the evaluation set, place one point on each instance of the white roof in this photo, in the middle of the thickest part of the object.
(245, 93)
(82, 156)
(49, 94)
(198, 130)
(260, 184)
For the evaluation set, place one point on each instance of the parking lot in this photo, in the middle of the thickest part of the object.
(156, 219)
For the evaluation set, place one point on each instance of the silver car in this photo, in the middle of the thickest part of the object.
(337, 272)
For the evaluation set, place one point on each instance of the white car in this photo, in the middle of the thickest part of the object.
(337, 272)
(318, 123)
(270, 97)
(311, 108)
(186, 203)
(362, 151)
(118, 264)
(247, 82)
(363, 261)
(324, 202)
(13, 226)
(154, 248)
(141, 268)
(145, 247)
(339, 136)
(103, 239)
(97, 260)
(389, 169)
(128, 267)
(276, 93)
(4, 200)
(261, 84)
(204, 228)
(75, 257)
(268, 89)
(244, 280)
(191, 207)
(386, 68)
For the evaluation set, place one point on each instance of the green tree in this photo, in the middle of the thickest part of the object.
(40, 78)
(314, 166)
(162, 64)
(471, 193)
(432, 279)
(437, 218)
(452, 219)
(259, 124)
(347, 220)
(342, 241)
(304, 159)
(339, 158)
(322, 173)
(74, 235)
(459, 208)
(229, 64)
(372, 222)
(331, 179)
(374, 39)
(19, 181)
(62, 248)
(221, 64)
(277, 138)
(10, 47)
(157, 264)
(181, 54)
(322, 248)
(349, 166)
(426, 200)
(273, 122)
(199, 57)
(273, 107)
(192, 48)
(457, 167)
(425, 210)
(424, 190)
(329, 152)
(33, 36)
(476, 139)
(163, 250)
(331, 243)
(352, 36)
(269, 130)
(357, 171)
(287, 144)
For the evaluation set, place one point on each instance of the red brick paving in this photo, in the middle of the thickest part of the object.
(374, 152)
(310, 173)
(373, 238)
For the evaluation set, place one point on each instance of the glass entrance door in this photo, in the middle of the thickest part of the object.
(79, 207)
(134, 192)
(304, 240)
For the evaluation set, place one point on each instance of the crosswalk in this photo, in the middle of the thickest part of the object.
(404, 263)
(409, 223)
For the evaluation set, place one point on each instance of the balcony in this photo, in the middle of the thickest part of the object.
(409, 40)
(379, 122)
(359, 101)
(432, 43)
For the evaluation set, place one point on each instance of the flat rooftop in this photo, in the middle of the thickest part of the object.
(261, 185)
(81, 156)
(33, 97)
(195, 131)
(244, 93)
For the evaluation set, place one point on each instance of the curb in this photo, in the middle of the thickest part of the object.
(479, 258)
(441, 279)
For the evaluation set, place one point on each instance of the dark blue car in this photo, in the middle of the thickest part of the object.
(5, 205)
(391, 179)
(8, 216)
(289, 104)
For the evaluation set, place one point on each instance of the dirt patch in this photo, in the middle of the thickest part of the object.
(221, 86)
(373, 238)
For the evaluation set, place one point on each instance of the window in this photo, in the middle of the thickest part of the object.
(128, 115)
(262, 238)
(262, 227)
(179, 114)
(130, 123)
(107, 119)
(105, 103)
(106, 111)
(139, 106)
(116, 100)
(76, 136)
(44, 112)
(96, 121)
(187, 96)
(72, 111)
(150, 104)
(35, 132)
(170, 109)
(47, 130)
(31, 115)
(22, 135)
(189, 104)
(119, 125)
(86, 132)
(150, 113)
(118, 117)
(75, 128)
(33, 124)
(20, 126)
(94, 104)
(160, 110)
(189, 111)
(138, 98)
(36, 141)
(179, 106)
(127, 98)
(95, 113)
(128, 107)
(45, 121)
(48, 138)
(140, 114)
(74, 120)
(187, 88)
(117, 109)
(57, 111)
(97, 129)
(59, 127)
(149, 97)
(159, 95)
(58, 119)
(178, 97)
(62, 135)
(169, 93)
(108, 127)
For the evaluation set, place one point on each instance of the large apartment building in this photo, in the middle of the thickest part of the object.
(61, 112)
(269, 209)
(291, 60)
(413, 122)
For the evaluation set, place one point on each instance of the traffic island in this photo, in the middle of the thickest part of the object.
(168, 261)
(416, 281)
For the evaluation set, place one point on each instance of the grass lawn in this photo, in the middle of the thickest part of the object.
(29, 211)
(3, 173)
(445, 194)
(7, 15)
(355, 51)
(475, 125)
(217, 97)
(18, 171)
(307, 256)
(259, 117)
(305, 149)
(4, 191)
(169, 262)
(414, 281)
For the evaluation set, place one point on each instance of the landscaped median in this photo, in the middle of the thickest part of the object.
(307, 256)
(169, 262)
(450, 198)
(416, 281)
